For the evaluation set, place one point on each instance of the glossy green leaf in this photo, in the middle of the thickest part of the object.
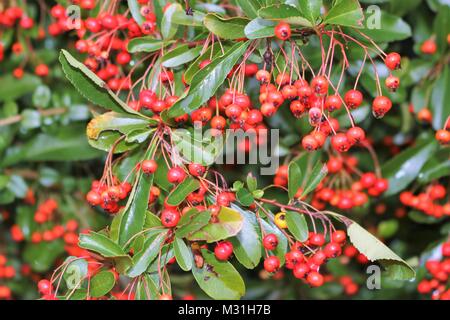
(135, 10)
(313, 179)
(42, 256)
(229, 224)
(145, 44)
(435, 168)
(13, 88)
(244, 197)
(260, 28)
(345, 13)
(67, 143)
(219, 279)
(168, 27)
(191, 222)
(183, 254)
(284, 12)
(180, 56)
(226, 28)
(179, 194)
(250, 7)
(310, 9)
(376, 251)
(390, 28)
(247, 243)
(101, 244)
(439, 99)
(297, 225)
(294, 179)
(90, 85)
(206, 81)
(150, 251)
(402, 169)
(101, 284)
(135, 210)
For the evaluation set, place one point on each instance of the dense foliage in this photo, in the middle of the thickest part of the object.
(114, 115)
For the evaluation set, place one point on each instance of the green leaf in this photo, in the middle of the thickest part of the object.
(436, 167)
(42, 256)
(284, 12)
(146, 288)
(388, 228)
(310, 9)
(226, 28)
(228, 225)
(13, 88)
(180, 17)
(135, 10)
(247, 243)
(405, 167)
(441, 25)
(135, 210)
(183, 254)
(151, 221)
(345, 13)
(252, 183)
(313, 179)
(244, 197)
(259, 28)
(90, 85)
(179, 194)
(392, 28)
(192, 221)
(250, 7)
(145, 44)
(101, 284)
(31, 119)
(297, 225)
(206, 81)
(75, 271)
(150, 251)
(180, 56)
(439, 99)
(168, 27)
(107, 139)
(376, 251)
(113, 121)
(420, 217)
(294, 179)
(219, 279)
(101, 244)
(194, 150)
(25, 220)
(42, 96)
(68, 143)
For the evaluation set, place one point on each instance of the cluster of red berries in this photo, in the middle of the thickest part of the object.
(105, 37)
(45, 210)
(6, 272)
(352, 197)
(15, 15)
(306, 259)
(108, 197)
(430, 202)
(439, 270)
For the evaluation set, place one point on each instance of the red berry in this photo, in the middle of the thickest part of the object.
(271, 264)
(45, 287)
(339, 236)
(270, 241)
(176, 175)
(170, 217)
(340, 142)
(196, 169)
(283, 31)
(380, 106)
(149, 166)
(355, 135)
(315, 279)
(393, 61)
(320, 85)
(223, 250)
(353, 98)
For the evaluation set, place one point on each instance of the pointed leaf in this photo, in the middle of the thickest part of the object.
(297, 225)
(183, 254)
